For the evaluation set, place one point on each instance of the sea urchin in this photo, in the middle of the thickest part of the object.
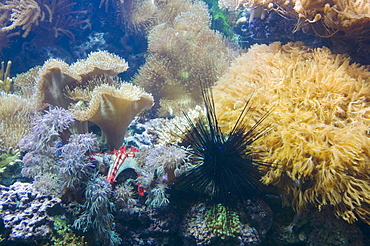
(224, 169)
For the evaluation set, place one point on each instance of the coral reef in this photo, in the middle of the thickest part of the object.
(45, 134)
(63, 166)
(223, 165)
(75, 167)
(346, 23)
(90, 89)
(25, 211)
(6, 82)
(10, 166)
(351, 17)
(318, 145)
(312, 228)
(63, 234)
(55, 77)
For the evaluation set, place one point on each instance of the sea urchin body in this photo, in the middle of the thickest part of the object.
(224, 168)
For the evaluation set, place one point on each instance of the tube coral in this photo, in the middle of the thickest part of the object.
(319, 145)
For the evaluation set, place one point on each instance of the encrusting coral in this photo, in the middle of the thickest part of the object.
(319, 144)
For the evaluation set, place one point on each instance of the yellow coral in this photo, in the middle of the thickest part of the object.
(319, 145)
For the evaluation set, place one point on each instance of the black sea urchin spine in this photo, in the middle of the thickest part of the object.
(224, 169)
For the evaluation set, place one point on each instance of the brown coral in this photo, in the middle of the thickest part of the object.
(91, 87)
(111, 108)
(54, 16)
(319, 145)
(25, 14)
(55, 76)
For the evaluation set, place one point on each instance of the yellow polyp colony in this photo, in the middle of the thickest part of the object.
(319, 140)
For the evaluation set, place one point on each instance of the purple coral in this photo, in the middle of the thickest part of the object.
(46, 130)
(43, 141)
(75, 166)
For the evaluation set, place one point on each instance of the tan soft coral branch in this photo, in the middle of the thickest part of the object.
(25, 14)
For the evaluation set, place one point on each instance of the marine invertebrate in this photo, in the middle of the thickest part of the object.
(55, 156)
(74, 165)
(183, 50)
(350, 17)
(319, 142)
(55, 17)
(222, 222)
(139, 15)
(97, 214)
(89, 88)
(55, 77)
(111, 108)
(198, 227)
(16, 115)
(124, 196)
(224, 167)
(10, 166)
(6, 82)
(120, 156)
(25, 14)
(46, 131)
(157, 196)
